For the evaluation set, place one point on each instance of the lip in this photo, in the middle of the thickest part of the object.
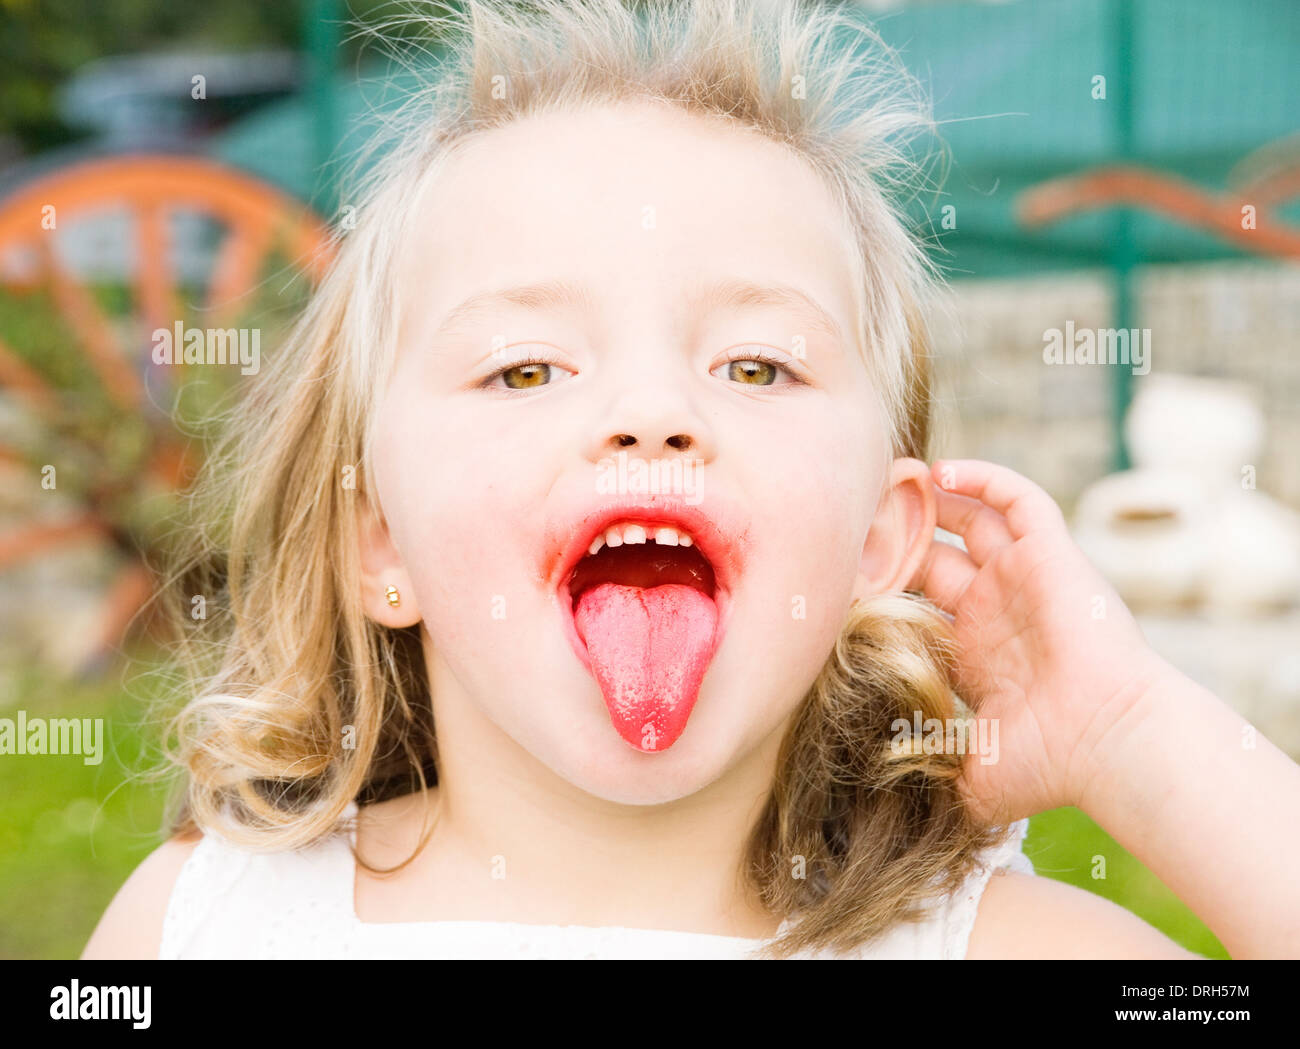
(715, 529)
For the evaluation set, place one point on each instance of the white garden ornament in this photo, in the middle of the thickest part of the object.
(1187, 525)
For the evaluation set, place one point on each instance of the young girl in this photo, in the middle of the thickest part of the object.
(562, 574)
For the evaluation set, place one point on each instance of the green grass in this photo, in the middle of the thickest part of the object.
(1062, 844)
(71, 833)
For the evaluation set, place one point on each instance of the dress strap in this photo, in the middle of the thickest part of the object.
(232, 902)
(205, 878)
(962, 908)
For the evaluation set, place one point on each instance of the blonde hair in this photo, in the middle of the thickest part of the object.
(286, 669)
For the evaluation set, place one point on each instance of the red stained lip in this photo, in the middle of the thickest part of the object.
(715, 532)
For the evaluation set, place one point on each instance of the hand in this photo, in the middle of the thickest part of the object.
(1045, 645)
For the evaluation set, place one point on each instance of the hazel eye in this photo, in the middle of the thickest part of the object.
(529, 374)
(526, 376)
(752, 373)
(755, 368)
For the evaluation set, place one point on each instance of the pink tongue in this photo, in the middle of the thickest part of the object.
(649, 649)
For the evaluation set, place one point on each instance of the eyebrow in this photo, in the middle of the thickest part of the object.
(544, 295)
(736, 294)
(729, 293)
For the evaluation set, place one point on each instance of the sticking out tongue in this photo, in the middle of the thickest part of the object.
(649, 648)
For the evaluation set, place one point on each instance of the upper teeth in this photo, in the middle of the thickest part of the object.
(618, 534)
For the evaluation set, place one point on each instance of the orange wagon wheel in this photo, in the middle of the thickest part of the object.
(256, 221)
(1177, 199)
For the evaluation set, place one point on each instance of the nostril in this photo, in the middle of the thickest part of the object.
(679, 441)
(625, 439)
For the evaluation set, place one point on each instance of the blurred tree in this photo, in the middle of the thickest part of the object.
(43, 42)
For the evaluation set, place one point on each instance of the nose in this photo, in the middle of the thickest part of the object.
(652, 422)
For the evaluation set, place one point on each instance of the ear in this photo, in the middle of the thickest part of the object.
(901, 534)
(381, 566)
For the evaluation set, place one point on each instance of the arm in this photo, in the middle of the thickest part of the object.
(1025, 916)
(1213, 815)
(132, 925)
(1090, 716)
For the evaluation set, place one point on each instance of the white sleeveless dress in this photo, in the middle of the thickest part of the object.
(232, 903)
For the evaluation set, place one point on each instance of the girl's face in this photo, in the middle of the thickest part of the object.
(637, 253)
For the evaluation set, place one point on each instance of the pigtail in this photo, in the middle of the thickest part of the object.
(860, 832)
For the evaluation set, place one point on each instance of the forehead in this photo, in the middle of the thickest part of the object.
(627, 197)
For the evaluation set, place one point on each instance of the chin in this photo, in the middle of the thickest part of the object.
(598, 761)
(619, 774)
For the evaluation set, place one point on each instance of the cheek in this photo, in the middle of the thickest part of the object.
(818, 526)
(461, 501)
(820, 495)
(811, 504)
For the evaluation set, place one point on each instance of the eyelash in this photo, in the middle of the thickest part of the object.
(767, 358)
(755, 355)
(487, 384)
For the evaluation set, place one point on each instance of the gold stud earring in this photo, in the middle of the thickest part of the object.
(394, 598)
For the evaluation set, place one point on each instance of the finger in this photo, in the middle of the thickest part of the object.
(944, 575)
(985, 531)
(1026, 507)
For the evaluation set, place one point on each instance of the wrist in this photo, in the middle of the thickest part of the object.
(1131, 725)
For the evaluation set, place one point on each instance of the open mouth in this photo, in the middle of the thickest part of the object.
(643, 556)
(646, 609)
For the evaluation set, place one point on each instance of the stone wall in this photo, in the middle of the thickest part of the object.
(998, 400)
